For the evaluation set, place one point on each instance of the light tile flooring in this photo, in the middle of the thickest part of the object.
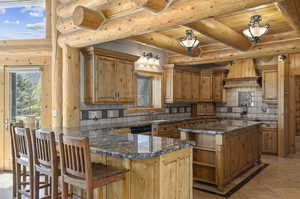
(280, 180)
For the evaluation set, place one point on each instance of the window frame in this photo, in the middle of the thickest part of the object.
(48, 35)
(151, 90)
(153, 108)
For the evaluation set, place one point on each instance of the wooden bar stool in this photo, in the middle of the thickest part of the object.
(78, 170)
(24, 158)
(46, 161)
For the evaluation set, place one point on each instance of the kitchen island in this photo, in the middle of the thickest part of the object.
(223, 150)
(159, 168)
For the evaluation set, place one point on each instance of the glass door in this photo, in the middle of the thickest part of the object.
(22, 105)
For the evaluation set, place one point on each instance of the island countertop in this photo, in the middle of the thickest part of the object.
(219, 127)
(125, 145)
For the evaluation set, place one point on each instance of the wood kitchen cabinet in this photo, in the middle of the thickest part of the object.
(108, 76)
(195, 86)
(204, 109)
(269, 138)
(270, 86)
(219, 92)
(206, 86)
(178, 84)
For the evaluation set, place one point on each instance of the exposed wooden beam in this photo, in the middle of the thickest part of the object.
(25, 60)
(180, 12)
(165, 42)
(153, 5)
(66, 10)
(222, 33)
(113, 10)
(290, 9)
(262, 50)
(87, 18)
(22, 43)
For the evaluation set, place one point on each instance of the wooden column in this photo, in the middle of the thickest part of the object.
(294, 71)
(220, 155)
(56, 73)
(2, 116)
(71, 87)
(283, 106)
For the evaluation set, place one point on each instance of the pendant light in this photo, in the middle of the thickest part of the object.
(190, 41)
(255, 30)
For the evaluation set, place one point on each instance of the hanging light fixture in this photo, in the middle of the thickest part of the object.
(255, 30)
(190, 41)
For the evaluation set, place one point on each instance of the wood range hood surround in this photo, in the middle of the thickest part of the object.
(242, 73)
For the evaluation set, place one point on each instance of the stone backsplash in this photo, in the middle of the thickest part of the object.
(103, 114)
(259, 110)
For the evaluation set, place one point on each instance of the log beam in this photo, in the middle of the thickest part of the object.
(180, 12)
(262, 50)
(165, 42)
(113, 10)
(68, 9)
(87, 18)
(290, 9)
(153, 5)
(31, 50)
(222, 33)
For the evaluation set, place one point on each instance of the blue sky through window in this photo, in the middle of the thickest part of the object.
(22, 23)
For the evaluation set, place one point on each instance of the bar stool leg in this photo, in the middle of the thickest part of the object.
(36, 185)
(100, 193)
(89, 194)
(65, 190)
(126, 186)
(54, 187)
(18, 180)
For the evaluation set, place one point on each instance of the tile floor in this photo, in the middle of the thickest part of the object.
(280, 180)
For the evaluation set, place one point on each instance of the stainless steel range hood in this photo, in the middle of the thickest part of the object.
(242, 73)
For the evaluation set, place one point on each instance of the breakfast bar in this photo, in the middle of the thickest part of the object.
(223, 150)
(159, 168)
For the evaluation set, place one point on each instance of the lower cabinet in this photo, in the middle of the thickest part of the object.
(204, 109)
(269, 138)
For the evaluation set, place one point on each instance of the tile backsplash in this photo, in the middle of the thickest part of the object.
(98, 114)
(259, 110)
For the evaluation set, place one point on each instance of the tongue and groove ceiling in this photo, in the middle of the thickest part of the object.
(220, 33)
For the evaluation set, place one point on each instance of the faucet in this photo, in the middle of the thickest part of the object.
(245, 111)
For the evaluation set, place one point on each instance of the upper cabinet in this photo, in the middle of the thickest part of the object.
(206, 86)
(270, 86)
(108, 76)
(193, 85)
(219, 92)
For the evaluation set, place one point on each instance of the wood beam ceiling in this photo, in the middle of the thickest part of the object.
(165, 42)
(261, 50)
(222, 33)
(180, 12)
(112, 10)
(290, 9)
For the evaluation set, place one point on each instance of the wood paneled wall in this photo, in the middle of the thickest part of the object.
(294, 70)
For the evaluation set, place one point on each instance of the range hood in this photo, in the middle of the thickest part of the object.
(242, 73)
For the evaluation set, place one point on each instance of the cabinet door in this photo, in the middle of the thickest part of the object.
(177, 92)
(270, 86)
(124, 77)
(218, 87)
(269, 141)
(206, 87)
(195, 87)
(187, 86)
(105, 86)
(168, 78)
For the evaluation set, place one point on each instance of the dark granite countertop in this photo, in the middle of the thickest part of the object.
(220, 127)
(117, 125)
(126, 145)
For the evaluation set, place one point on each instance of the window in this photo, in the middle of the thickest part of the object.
(148, 92)
(22, 19)
(144, 91)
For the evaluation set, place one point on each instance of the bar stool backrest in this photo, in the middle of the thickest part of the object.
(22, 141)
(75, 157)
(44, 148)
